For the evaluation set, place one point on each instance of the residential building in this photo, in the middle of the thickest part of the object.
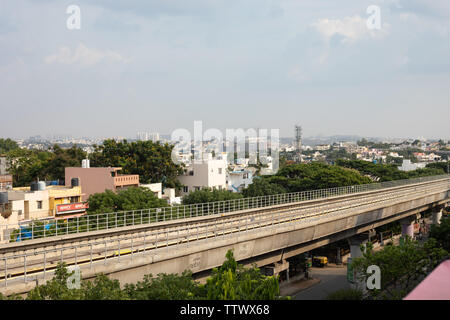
(208, 174)
(39, 201)
(146, 136)
(98, 180)
(169, 195)
(156, 188)
(239, 180)
(407, 165)
(6, 182)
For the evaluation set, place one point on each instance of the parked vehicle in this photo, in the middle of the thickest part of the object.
(320, 261)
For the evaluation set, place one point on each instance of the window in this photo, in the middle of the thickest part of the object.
(39, 204)
(220, 170)
(185, 189)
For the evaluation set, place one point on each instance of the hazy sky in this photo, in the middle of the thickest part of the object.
(158, 65)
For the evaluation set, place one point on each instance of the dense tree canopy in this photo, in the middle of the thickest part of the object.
(386, 172)
(262, 187)
(7, 145)
(164, 287)
(208, 195)
(444, 166)
(302, 177)
(441, 232)
(229, 282)
(234, 282)
(29, 165)
(402, 267)
(133, 198)
(150, 160)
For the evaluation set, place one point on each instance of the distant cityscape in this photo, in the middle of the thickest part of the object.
(45, 142)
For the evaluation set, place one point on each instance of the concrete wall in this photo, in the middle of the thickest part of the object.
(92, 180)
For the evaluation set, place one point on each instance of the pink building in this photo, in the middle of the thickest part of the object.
(97, 180)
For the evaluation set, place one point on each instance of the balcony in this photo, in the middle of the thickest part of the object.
(125, 180)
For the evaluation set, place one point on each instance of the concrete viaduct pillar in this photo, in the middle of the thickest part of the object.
(338, 256)
(355, 243)
(437, 215)
(408, 226)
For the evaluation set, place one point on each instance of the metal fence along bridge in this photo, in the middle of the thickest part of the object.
(93, 241)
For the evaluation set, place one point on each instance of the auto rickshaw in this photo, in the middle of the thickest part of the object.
(320, 261)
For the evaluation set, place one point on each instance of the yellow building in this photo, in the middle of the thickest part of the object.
(48, 201)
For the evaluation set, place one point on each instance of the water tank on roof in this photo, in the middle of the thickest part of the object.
(41, 185)
(34, 186)
(3, 197)
(75, 182)
(85, 163)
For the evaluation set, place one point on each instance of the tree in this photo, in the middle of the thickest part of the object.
(304, 177)
(164, 287)
(230, 281)
(56, 289)
(133, 198)
(6, 145)
(208, 195)
(152, 161)
(29, 165)
(102, 288)
(441, 233)
(234, 282)
(387, 172)
(262, 187)
(402, 267)
(439, 165)
(62, 158)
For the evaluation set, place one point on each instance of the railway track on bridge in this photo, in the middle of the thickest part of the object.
(28, 260)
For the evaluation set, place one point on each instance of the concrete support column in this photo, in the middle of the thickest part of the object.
(355, 243)
(338, 256)
(408, 226)
(437, 215)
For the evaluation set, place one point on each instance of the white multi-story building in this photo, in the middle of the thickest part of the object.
(156, 188)
(146, 136)
(239, 180)
(208, 174)
(407, 165)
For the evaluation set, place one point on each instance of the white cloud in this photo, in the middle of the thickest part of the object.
(351, 28)
(84, 56)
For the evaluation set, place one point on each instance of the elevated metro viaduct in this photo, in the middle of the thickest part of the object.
(262, 236)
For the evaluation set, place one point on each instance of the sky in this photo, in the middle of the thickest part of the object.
(160, 65)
